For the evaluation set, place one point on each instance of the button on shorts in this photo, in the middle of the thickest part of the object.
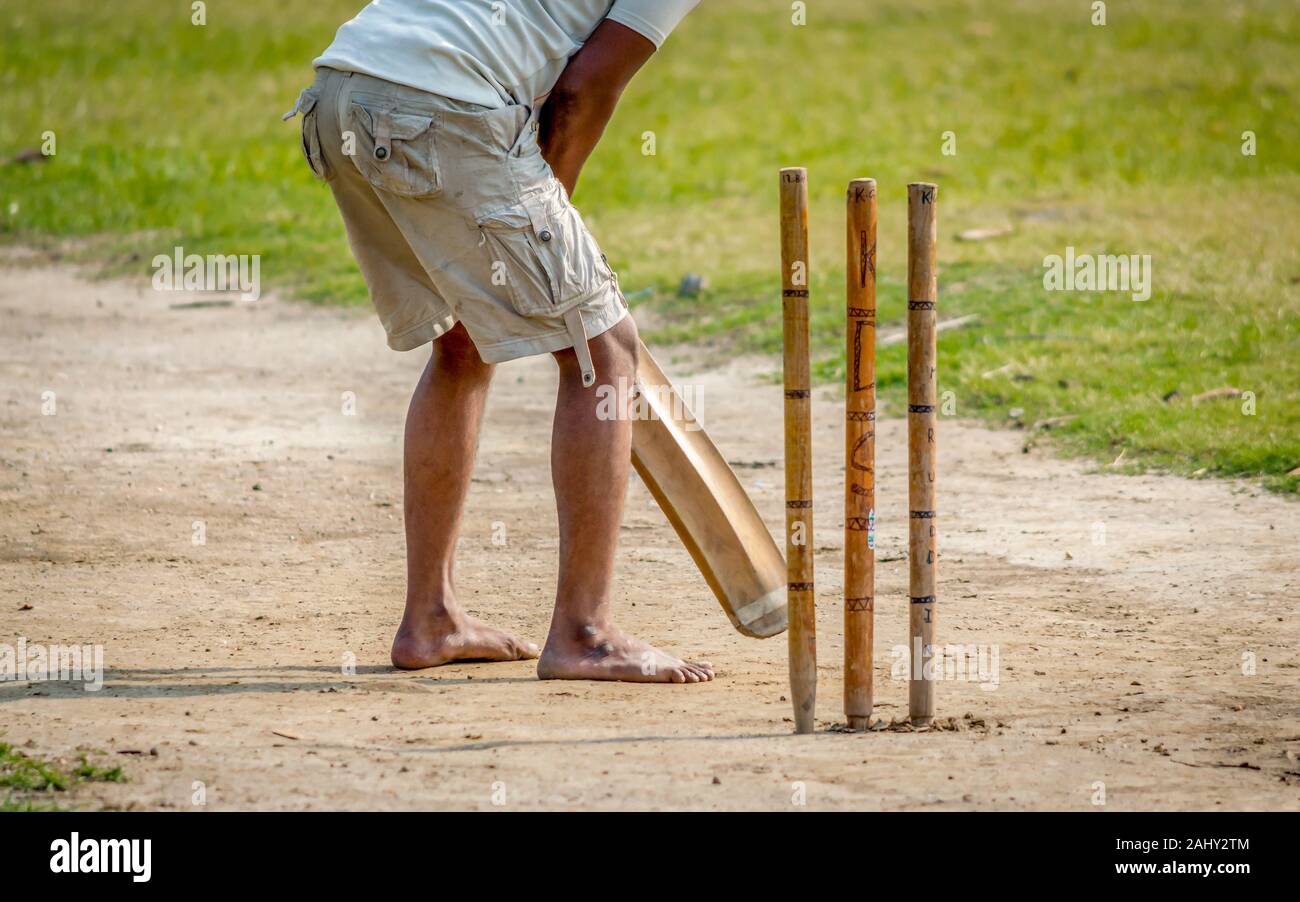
(453, 215)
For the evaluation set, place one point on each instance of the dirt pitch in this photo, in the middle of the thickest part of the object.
(1124, 609)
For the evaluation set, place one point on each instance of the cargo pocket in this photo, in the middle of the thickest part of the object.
(543, 254)
(395, 150)
(310, 135)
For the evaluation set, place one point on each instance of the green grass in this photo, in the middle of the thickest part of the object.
(29, 783)
(1124, 138)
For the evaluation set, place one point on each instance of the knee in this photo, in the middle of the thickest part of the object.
(455, 353)
(615, 351)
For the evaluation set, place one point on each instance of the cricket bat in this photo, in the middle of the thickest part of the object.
(708, 507)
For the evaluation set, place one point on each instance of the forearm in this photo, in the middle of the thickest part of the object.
(572, 122)
(583, 100)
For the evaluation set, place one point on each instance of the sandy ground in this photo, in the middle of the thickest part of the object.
(1125, 611)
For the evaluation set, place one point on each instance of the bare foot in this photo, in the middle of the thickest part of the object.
(607, 653)
(435, 640)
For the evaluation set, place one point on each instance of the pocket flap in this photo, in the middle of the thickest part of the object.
(537, 211)
(306, 103)
(392, 124)
(514, 218)
(541, 213)
(407, 126)
(396, 149)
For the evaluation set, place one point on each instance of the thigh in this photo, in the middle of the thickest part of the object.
(405, 297)
(479, 211)
(534, 261)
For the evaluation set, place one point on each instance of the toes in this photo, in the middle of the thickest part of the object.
(687, 672)
(525, 651)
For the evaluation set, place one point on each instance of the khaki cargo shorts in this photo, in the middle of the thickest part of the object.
(452, 215)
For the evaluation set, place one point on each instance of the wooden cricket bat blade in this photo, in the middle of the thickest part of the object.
(708, 507)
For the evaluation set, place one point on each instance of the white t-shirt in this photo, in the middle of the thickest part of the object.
(490, 52)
